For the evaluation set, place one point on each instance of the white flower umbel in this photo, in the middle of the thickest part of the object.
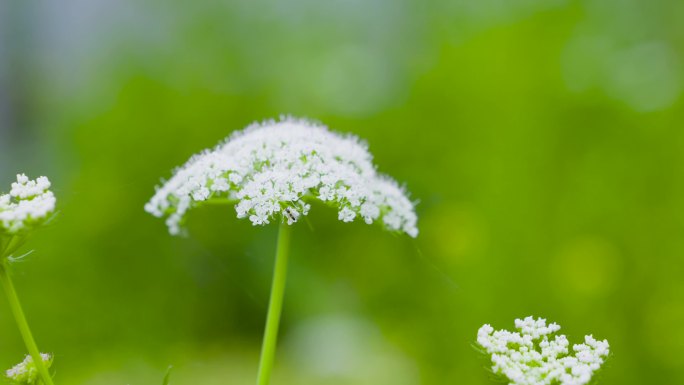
(272, 170)
(28, 204)
(26, 372)
(531, 357)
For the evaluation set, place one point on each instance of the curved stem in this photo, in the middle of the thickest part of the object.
(275, 306)
(23, 325)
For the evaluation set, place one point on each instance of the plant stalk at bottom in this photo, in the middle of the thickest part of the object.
(275, 306)
(24, 329)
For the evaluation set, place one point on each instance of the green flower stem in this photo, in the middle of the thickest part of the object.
(275, 306)
(219, 201)
(12, 245)
(22, 324)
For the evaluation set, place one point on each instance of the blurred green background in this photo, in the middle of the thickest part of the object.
(543, 139)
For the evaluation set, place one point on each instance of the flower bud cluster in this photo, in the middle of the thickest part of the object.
(273, 169)
(28, 204)
(26, 372)
(531, 357)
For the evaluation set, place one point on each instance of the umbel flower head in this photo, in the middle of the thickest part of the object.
(272, 170)
(26, 372)
(28, 205)
(531, 357)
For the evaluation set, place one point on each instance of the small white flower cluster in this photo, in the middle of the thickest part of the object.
(529, 357)
(28, 204)
(26, 372)
(272, 169)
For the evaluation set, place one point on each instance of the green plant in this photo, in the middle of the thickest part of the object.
(271, 172)
(28, 206)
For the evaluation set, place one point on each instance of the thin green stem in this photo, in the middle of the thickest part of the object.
(23, 325)
(13, 244)
(275, 306)
(218, 201)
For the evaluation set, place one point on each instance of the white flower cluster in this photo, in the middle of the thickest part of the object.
(26, 372)
(272, 169)
(28, 204)
(530, 357)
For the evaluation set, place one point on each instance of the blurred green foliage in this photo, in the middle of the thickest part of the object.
(542, 138)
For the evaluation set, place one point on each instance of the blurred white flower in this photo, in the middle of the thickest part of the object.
(28, 204)
(271, 169)
(530, 357)
(26, 372)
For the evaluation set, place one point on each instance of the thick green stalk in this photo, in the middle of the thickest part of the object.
(275, 306)
(23, 325)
